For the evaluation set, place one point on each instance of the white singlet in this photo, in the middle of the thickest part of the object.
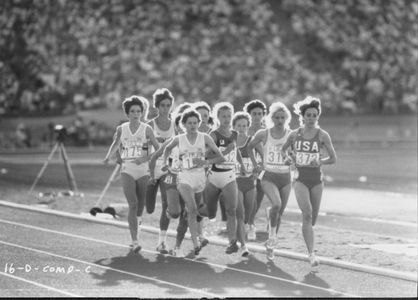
(133, 146)
(190, 174)
(161, 136)
(273, 160)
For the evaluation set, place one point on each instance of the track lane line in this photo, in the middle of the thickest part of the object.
(40, 285)
(198, 291)
(298, 283)
(409, 276)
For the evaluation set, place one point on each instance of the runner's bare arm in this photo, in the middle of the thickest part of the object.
(256, 140)
(241, 162)
(218, 155)
(326, 140)
(167, 149)
(285, 147)
(115, 145)
(151, 137)
(155, 156)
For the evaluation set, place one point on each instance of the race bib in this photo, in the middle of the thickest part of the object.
(248, 165)
(132, 152)
(168, 179)
(187, 160)
(230, 159)
(304, 159)
(274, 156)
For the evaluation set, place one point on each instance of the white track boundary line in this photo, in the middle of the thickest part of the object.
(377, 235)
(256, 248)
(193, 260)
(368, 219)
(39, 284)
(198, 291)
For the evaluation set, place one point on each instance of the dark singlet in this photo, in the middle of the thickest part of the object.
(222, 142)
(245, 159)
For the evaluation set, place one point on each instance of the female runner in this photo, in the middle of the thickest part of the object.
(192, 178)
(221, 177)
(163, 128)
(257, 110)
(275, 175)
(133, 136)
(306, 143)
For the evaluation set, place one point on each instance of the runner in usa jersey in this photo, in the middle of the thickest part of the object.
(133, 138)
(275, 174)
(306, 143)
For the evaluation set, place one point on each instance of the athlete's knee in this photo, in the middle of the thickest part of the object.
(133, 206)
(192, 210)
(231, 211)
(314, 218)
(307, 217)
(275, 209)
(174, 214)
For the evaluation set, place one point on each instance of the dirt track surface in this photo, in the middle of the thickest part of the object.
(56, 256)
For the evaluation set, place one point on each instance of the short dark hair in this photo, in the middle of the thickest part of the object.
(249, 106)
(188, 113)
(133, 100)
(202, 104)
(181, 108)
(241, 115)
(160, 95)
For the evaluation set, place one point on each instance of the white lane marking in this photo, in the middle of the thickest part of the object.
(198, 291)
(40, 285)
(374, 220)
(377, 235)
(401, 223)
(255, 248)
(196, 261)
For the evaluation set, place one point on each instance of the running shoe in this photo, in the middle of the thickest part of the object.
(251, 235)
(244, 251)
(203, 241)
(270, 243)
(232, 247)
(162, 248)
(197, 250)
(135, 248)
(177, 252)
(314, 261)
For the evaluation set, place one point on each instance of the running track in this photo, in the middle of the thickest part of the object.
(56, 256)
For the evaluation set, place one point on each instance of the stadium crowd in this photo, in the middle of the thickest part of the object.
(61, 56)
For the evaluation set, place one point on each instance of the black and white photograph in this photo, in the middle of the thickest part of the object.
(208, 149)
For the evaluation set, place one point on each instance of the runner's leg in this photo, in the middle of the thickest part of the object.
(303, 200)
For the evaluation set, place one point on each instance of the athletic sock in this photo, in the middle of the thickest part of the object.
(162, 237)
(272, 232)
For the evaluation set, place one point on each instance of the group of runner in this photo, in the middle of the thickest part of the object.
(199, 158)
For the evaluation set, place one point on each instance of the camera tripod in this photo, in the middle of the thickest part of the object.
(70, 176)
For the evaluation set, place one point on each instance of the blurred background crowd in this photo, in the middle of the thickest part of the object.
(63, 56)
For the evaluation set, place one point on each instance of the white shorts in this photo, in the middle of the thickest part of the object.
(221, 179)
(195, 179)
(134, 170)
